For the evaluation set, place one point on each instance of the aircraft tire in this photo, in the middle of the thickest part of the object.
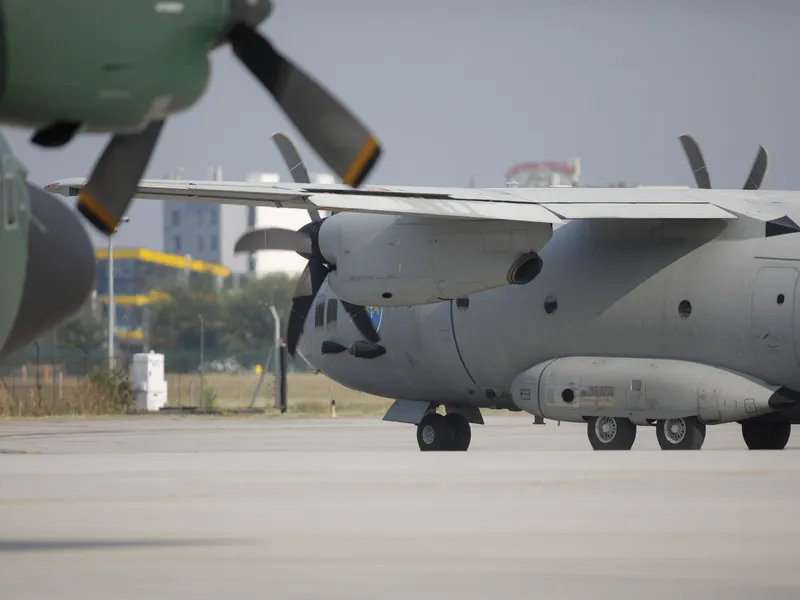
(462, 431)
(765, 435)
(611, 433)
(435, 433)
(685, 433)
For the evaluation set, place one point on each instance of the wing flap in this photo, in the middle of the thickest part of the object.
(641, 210)
(458, 209)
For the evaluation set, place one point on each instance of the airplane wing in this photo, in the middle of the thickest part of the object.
(538, 205)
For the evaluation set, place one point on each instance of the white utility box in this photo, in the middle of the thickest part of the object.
(148, 382)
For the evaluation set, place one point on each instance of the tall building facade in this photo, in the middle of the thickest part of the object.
(206, 231)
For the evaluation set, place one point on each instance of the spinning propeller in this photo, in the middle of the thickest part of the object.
(700, 171)
(333, 132)
(305, 242)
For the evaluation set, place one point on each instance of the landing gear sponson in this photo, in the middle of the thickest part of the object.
(436, 432)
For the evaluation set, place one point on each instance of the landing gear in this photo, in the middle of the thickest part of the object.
(437, 432)
(765, 435)
(462, 431)
(683, 433)
(611, 433)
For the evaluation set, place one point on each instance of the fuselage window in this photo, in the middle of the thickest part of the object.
(333, 308)
(9, 201)
(319, 314)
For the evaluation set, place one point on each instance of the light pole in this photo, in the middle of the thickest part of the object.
(202, 343)
(112, 307)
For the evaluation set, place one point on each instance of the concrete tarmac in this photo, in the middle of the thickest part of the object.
(177, 507)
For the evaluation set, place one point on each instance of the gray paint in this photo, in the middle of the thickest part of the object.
(401, 261)
(618, 286)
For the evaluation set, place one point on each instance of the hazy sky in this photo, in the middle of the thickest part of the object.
(460, 88)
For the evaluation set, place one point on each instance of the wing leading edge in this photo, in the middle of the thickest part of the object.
(539, 205)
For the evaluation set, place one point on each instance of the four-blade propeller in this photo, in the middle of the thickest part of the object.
(340, 139)
(305, 242)
(700, 170)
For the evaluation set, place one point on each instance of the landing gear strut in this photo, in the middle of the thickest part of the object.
(443, 432)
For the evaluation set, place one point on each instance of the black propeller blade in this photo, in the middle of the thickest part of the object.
(311, 280)
(335, 134)
(108, 193)
(297, 169)
(295, 165)
(274, 239)
(342, 141)
(700, 171)
(362, 321)
(696, 162)
(757, 171)
(302, 299)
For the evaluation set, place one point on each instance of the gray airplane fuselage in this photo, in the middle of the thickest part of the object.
(705, 291)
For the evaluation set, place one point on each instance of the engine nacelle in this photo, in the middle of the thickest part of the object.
(387, 260)
(641, 389)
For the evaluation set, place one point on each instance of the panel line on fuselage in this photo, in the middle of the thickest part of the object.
(455, 343)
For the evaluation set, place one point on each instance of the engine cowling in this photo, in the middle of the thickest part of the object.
(387, 260)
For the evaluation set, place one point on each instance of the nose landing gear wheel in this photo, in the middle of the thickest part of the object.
(611, 433)
(683, 433)
(435, 432)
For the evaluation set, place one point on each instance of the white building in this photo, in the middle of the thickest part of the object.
(276, 261)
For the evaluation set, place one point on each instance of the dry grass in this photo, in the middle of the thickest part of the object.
(308, 395)
(80, 398)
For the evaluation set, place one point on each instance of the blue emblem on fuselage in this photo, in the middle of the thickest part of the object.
(375, 315)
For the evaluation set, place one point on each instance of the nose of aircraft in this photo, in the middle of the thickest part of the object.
(60, 271)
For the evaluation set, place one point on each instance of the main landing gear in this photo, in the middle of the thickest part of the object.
(766, 435)
(617, 433)
(443, 432)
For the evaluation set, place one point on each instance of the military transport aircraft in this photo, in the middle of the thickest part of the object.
(48, 260)
(621, 308)
(67, 68)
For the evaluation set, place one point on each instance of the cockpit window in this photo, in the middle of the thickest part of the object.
(332, 312)
(319, 313)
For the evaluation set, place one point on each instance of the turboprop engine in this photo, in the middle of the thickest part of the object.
(385, 260)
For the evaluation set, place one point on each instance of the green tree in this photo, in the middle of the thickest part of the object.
(249, 323)
(175, 326)
(84, 331)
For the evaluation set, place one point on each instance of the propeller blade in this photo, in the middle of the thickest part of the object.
(273, 239)
(334, 133)
(318, 272)
(696, 162)
(295, 165)
(362, 321)
(758, 171)
(302, 300)
(108, 193)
